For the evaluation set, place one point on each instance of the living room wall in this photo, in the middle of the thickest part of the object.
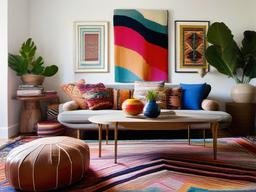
(51, 26)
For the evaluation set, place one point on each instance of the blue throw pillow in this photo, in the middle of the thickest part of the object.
(192, 95)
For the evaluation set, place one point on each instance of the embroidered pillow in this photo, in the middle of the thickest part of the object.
(98, 98)
(73, 92)
(174, 98)
(120, 95)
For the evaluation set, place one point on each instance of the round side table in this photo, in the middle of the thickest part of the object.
(31, 111)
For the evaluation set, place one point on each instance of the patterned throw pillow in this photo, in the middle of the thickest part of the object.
(174, 96)
(142, 87)
(52, 112)
(73, 92)
(120, 95)
(99, 98)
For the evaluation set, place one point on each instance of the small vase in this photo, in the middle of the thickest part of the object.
(243, 93)
(151, 109)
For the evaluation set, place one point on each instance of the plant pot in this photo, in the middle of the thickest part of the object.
(243, 93)
(151, 109)
(30, 79)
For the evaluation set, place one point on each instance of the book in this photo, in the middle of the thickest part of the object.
(33, 92)
(29, 87)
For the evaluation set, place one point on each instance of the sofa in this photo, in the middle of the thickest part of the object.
(78, 119)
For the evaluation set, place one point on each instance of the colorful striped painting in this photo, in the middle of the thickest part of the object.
(141, 45)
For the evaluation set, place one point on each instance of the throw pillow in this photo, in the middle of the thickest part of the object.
(73, 92)
(142, 87)
(174, 98)
(120, 95)
(52, 112)
(98, 98)
(192, 95)
(70, 106)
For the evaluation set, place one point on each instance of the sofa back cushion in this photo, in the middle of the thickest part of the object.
(193, 94)
(174, 98)
(119, 96)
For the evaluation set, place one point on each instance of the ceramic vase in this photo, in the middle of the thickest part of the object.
(151, 109)
(243, 93)
(132, 107)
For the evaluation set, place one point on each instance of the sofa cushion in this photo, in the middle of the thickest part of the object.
(174, 98)
(119, 96)
(193, 95)
(81, 116)
(99, 98)
(73, 92)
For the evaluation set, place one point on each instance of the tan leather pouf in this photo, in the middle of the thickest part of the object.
(47, 163)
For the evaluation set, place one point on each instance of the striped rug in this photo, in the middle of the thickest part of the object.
(165, 165)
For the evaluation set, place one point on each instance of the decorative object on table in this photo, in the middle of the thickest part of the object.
(49, 128)
(31, 111)
(243, 118)
(193, 95)
(132, 107)
(91, 46)
(210, 105)
(151, 109)
(236, 62)
(190, 46)
(141, 45)
(119, 96)
(30, 90)
(47, 164)
(29, 66)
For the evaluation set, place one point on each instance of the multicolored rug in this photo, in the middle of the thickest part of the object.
(164, 165)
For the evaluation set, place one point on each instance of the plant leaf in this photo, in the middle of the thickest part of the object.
(18, 64)
(50, 70)
(249, 44)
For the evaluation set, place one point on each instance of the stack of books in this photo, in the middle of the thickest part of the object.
(30, 90)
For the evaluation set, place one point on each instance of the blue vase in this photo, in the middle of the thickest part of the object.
(151, 109)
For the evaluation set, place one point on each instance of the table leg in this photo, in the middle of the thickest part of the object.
(214, 128)
(100, 138)
(189, 134)
(107, 130)
(204, 136)
(78, 135)
(116, 138)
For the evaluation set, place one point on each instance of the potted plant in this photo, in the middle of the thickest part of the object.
(30, 67)
(236, 62)
(151, 109)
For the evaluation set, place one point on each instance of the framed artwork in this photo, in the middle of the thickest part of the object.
(91, 46)
(190, 46)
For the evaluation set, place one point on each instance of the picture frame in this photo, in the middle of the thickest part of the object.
(91, 46)
(190, 46)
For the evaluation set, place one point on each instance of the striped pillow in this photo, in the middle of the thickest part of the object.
(120, 95)
(52, 112)
(174, 98)
(49, 128)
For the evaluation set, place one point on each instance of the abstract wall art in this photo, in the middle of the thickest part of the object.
(141, 45)
(190, 46)
(91, 46)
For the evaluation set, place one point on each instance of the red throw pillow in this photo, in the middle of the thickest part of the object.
(99, 98)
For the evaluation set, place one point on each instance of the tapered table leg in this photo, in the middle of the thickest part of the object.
(189, 134)
(204, 136)
(107, 130)
(116, 137)
(78, 135)
(100, 138)
(214, 128)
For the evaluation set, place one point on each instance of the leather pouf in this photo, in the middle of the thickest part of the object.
(47, 163)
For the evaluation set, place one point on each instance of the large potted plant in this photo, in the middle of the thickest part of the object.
(236, 62)
(30, 67)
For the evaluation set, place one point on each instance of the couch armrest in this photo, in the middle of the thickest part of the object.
(68, 106)
(210, 105)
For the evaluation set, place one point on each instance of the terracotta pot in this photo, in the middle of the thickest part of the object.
(243, 93)
(31, 79)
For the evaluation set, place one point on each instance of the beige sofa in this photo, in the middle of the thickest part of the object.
(78, 119)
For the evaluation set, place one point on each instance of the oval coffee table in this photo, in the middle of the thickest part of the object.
(168, 120)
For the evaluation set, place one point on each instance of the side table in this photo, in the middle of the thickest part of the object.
(31, 111)
(243, 118)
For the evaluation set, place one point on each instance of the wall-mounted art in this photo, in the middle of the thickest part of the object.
(141, 45)
(190, 46)
(91, 46)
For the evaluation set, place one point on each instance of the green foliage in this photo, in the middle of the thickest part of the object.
(225, 55)
(151, 95)
(27, 63)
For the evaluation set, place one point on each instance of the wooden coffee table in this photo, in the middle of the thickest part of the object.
(166, 121)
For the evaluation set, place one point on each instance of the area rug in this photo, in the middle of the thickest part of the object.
(164, 165)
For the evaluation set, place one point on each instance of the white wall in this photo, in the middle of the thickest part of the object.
(51, 26)
(18, 30)
(4, 69)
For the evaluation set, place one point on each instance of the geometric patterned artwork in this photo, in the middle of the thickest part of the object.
(191, 44)
(141, 45)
